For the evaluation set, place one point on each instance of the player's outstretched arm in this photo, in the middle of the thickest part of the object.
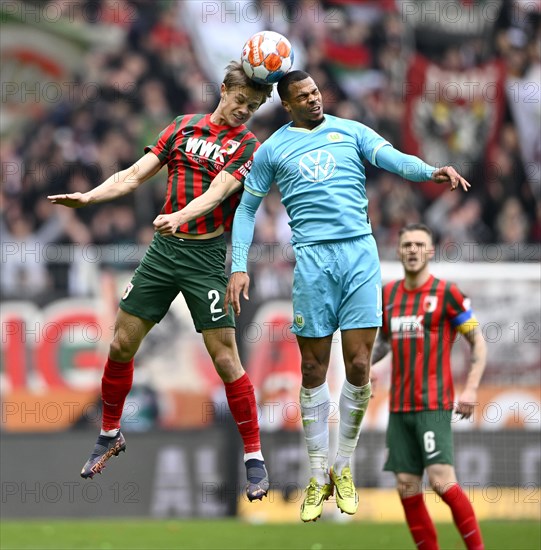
(468, 398)
(221, 187)
(115, 186)
(413, 168)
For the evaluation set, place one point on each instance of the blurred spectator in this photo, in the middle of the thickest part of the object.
(535, 233)
(24, 265)
(464, 224)
(512, 224)
(396, 204)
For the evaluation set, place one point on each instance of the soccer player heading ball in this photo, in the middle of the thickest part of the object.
(208, 156)
(317, 162)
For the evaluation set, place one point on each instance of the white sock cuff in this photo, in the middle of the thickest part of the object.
(110, 433)
(314, 397)
(257, 455)
(357, 393)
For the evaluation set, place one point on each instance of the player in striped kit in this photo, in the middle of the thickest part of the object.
(317, 163)
(207, 157)
(421, 317)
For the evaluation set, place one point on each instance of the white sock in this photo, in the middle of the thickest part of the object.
(257, 455)
(110, 433)
(315, 406)
(353, 404)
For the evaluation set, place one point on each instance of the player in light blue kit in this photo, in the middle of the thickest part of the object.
(317, 163)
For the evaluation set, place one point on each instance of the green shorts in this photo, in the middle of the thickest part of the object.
(417, 439)
(194, 267)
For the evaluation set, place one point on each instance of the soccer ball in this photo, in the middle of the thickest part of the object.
(266, 57)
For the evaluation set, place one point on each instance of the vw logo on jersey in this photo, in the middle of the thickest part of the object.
(317, 166)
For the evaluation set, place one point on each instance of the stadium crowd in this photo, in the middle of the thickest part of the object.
(357, 51)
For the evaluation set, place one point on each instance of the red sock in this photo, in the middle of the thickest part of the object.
(115, 385)
(464, 517)
(241, 399)
(419, 522)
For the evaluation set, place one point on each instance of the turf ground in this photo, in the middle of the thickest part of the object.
(232, 534)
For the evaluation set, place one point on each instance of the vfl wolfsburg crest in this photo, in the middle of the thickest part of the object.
(334, 136)
(299, 320)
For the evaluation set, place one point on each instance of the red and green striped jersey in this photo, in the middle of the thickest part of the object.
(196, 150)
(421, 326)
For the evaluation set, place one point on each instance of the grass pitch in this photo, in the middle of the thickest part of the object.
(232, 535)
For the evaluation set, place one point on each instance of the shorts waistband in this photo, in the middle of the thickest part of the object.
(297, 245)
(190, 242)
(200, 236)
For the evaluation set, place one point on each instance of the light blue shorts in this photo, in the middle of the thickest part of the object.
(336, 285)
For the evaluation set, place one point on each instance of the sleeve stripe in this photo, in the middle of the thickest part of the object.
(384, 144)
(456, 298)
(256, 193)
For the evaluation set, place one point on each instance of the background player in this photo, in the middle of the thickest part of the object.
(421, 316)
(317, 162)
(208, 157)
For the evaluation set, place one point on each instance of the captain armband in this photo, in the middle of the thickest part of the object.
(468, 326)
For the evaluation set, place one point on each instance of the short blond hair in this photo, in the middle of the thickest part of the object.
(236, 77)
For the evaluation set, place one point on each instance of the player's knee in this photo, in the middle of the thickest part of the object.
(226, 366)
(441, 477)
(121, 351)
(440, 484)
(313, 374)
(437, 485)
(360, 365)
(407, 488)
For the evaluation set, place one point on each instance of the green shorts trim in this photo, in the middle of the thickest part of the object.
(196, 268)
(417, 439)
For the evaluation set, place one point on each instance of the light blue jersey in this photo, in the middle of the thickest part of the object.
(321, 177)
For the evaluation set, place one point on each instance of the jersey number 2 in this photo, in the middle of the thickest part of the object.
(214, 295)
